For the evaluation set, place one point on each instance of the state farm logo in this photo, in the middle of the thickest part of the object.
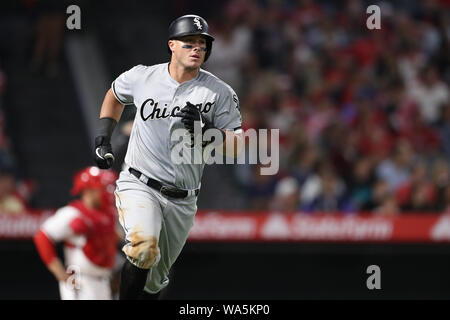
(276, 227)
(441, 230)
(304, 227)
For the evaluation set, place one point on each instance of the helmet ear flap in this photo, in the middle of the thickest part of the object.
(208, 49)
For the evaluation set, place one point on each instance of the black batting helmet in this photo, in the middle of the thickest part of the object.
(188, 25)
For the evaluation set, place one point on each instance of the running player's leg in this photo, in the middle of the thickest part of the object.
(140, 216)
(178, 219)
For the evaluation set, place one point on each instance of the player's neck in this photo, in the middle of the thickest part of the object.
(90, 205)
(180, 73)
(89, 202)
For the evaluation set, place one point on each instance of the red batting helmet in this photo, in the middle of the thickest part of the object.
(93, 177)
(108, 179)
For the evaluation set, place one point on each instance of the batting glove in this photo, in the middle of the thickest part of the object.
(104, 156)
(190, 114)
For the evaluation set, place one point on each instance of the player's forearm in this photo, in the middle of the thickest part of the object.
(233, 143)
(47, 252)
(110, 114)
(57, 268)
(111, 108)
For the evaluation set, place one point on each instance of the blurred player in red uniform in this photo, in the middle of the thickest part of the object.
(88, 228)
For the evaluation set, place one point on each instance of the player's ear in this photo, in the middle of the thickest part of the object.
(171, 45)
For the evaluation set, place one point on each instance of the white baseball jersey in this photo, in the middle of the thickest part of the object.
(60, 227)
(158, 97)
(89, 249)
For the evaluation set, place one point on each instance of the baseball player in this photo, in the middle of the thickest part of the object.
(88, 228)
(156, 196)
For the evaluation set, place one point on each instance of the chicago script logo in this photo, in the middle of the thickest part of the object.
(151, 110)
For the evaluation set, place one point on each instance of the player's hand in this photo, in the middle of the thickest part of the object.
(103, 153)
(189, 114)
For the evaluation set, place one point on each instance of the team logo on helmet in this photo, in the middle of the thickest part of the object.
(198, 23)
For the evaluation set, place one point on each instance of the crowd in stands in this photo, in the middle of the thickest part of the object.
(15, 192)
(363, 115)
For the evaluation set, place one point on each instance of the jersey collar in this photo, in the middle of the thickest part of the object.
(176, 83)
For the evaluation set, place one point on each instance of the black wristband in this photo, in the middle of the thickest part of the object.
(106, 127)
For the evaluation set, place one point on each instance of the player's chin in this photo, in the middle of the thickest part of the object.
(194, 62)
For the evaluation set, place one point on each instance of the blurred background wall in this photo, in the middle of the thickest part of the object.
(364, 120)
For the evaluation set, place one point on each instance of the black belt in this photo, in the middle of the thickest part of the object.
(165, 190)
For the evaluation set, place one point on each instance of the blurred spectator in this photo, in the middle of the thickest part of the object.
(388, 206)
(268, 37)
(446, 198)
(419, 193)
(361, 183)
(444, 130)
(380, 197)
(441, 180)
(324, 192)
(373, 136)
(11, 202)
(231, 46)
(396, 170)
(424, 139)
(423, 199)
(430, 93)
(318, 120)
(260, 188)
(49, 32)
(304, 163)
(286, 195)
